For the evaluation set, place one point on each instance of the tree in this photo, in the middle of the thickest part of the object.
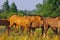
(27, 12)
(48, 8)
(54, 8)
(6, 6)
(20, 13)
(38, 9)
(1, 10)
(14, 8)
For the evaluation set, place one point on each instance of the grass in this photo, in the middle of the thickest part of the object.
(25, 36)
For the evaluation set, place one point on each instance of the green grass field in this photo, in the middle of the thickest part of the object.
(25, 36)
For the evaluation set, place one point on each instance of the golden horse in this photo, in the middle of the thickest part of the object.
(36, 23)
(53, 23)
(18, 21)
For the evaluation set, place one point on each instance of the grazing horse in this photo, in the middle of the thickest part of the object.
(53, 23)
(18, 21)
(4, 22)
(36, 23)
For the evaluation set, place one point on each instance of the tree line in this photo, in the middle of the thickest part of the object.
(49, 8)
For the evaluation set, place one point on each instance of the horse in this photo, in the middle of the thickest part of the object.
(53, 23)
(5, 22)
(18, 21)
(36, 23)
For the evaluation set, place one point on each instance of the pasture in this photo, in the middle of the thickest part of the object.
(40, 23)
(16, 35)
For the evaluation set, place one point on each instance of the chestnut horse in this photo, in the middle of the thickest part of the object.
(53, 23)
(18, 21)
(36, 23)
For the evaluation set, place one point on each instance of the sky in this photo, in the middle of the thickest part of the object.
(23, 4)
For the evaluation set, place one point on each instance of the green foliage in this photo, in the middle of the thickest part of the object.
(6, 6)
(1, 16)
(10, 14)
(49, 8)
(20, 13)
(13, 7)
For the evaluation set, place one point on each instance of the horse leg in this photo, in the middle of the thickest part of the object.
(44, 31)
(22, 29)
(33, 30)
(26, 29)
(29, 30)
(55, 30)
(16, 28)
(8, 27)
